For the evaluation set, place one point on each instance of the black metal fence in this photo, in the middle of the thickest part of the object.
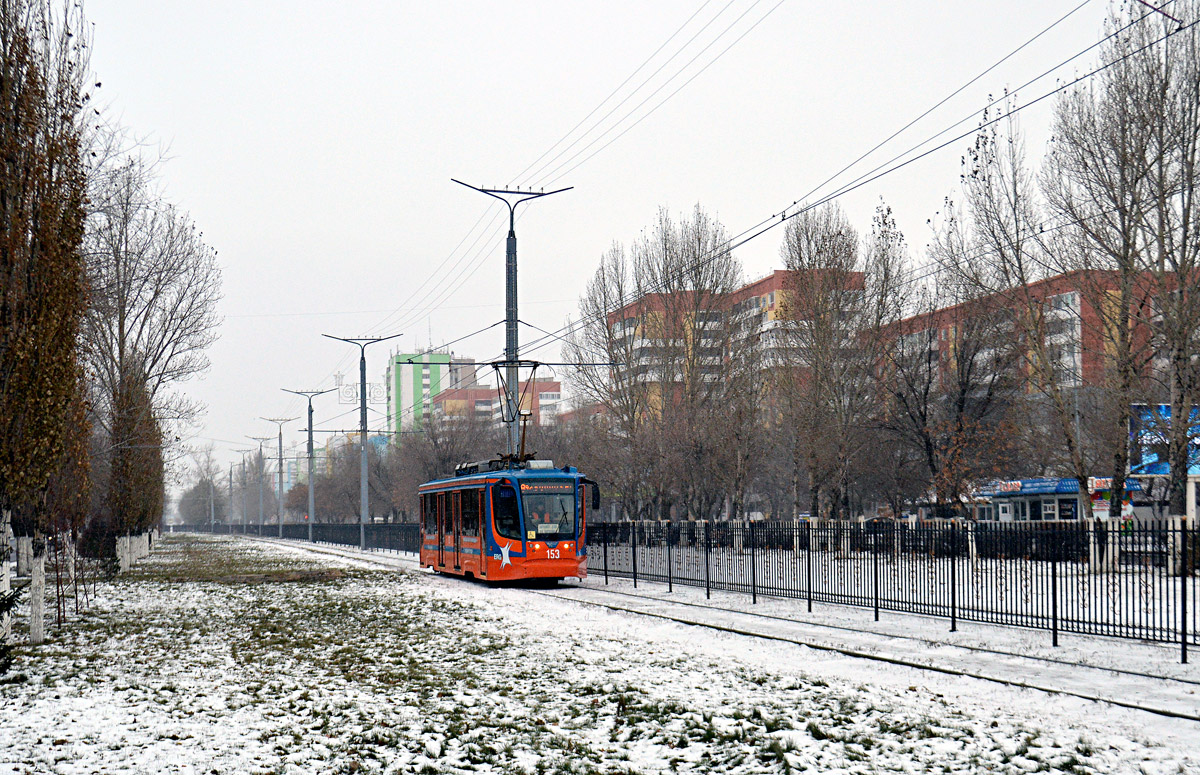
(395, 537)
(1132, 581)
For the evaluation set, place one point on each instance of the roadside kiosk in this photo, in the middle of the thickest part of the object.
(1048, 499)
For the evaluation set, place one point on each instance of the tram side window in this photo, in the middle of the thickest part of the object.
(429, 514)
(505, 513)
(470, 512)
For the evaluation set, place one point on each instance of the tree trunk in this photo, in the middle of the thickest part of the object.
(796, 492)
(24, 555)
(122, 554)
(37, 592)
(1179, 434)
(4, 582)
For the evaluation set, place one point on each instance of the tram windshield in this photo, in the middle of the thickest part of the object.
(549, 509)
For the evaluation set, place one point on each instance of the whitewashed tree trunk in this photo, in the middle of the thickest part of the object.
(1103, 537)
(37, 593)
(24, 555)
(5, 584)
(1175, 564)
(122, 554)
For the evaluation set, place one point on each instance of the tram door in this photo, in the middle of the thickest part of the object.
(441, 517)
(469, 548)
(456, 521)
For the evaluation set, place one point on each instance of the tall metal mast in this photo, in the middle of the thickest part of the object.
(279, 490)
(310, 394)
(511, 199)
(364, 503)
(245, 521)
(260, 440)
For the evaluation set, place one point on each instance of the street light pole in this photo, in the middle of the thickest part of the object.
(279, 492)
(260, 440)
(364, 504)
(310, 394)
(245, 510)
(511, 364)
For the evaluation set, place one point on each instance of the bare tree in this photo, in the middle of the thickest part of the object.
(1171, 106)
(691, 326)
(832, 321)
(203, 501)
(950, 372)
(740, 423)
(662, 315)
(1001, 255)
(155, 289)
(605, 346)
(1097, 182)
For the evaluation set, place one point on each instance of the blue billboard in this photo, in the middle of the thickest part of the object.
(1149, 427)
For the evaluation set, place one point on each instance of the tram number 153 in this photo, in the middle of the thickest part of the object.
(552, 554)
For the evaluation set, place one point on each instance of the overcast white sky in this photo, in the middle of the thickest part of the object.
(313, 143)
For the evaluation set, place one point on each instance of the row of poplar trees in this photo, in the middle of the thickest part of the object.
(107, 298)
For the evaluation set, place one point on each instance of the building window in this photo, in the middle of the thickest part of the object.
(1065, 302)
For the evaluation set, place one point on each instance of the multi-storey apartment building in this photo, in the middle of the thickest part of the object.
(542, 398)
(698, 331)
(1076, 341)
(413, 381)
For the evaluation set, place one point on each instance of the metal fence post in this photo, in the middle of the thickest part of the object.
(604, 540)
(953, 577)
(633, 547)
(670, 555)
(1185, 569)
(1054, 550)
(875, 569)
(808, 563)
(707, 560)
(753, 564)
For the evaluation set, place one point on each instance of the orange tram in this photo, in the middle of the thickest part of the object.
(499, 522)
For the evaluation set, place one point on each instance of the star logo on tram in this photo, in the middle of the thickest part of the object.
(505, 550)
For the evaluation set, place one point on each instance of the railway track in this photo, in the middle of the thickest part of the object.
(1163, 695)
(888, 635)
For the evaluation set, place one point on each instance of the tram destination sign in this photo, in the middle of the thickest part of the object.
(561, 486)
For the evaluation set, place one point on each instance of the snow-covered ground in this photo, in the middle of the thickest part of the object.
(229, 655)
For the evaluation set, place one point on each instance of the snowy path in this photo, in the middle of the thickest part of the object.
(365, 670)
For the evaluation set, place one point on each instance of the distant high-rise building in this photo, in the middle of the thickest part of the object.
(543, 399)
(415, 379)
